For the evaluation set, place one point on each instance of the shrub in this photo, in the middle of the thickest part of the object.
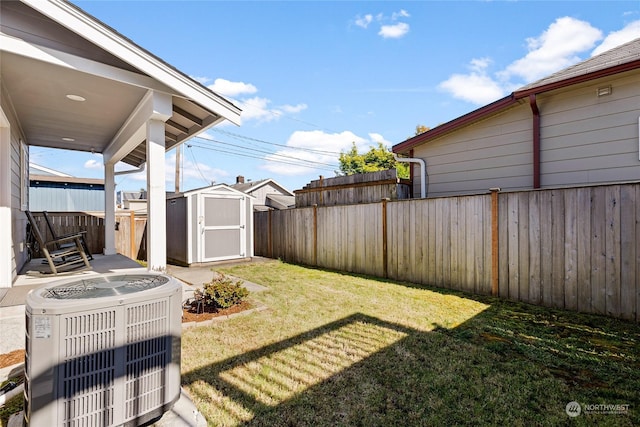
(222, 292)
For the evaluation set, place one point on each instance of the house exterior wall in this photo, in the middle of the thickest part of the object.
(586, 139)
(495, 152)
(66, 199)
(18, 170)
(261, 193)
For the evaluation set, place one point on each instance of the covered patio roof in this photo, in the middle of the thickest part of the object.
(77, 84)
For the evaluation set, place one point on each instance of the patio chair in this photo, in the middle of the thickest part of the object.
(60, 258)
(68, 244)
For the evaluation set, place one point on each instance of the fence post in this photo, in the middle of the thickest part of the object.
(133, 254)
(385, 273)
(495, 268)
(269, 241)
(315, 234)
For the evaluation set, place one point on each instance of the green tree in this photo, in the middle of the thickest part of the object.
(376, 159)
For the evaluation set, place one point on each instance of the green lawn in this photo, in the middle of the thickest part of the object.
(337, 349)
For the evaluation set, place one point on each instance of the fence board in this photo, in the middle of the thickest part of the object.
(598, 255)
(612, 245)
(523, 246)
(503, 246)
(546, 239)
(570, 250)
(583, 235)
(534, 249)
(628, 252)
(557, 248)
(512, 226)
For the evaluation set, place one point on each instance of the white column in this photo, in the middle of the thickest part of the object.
(6, 254)
(109, 209)
(156, 197)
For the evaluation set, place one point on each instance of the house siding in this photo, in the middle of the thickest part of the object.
(66, 199)
(18, 219)
(586, 139)
(495, 152)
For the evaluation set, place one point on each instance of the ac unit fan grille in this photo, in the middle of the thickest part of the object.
(105, 286)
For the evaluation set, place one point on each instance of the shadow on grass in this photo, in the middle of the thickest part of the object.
(512, 364)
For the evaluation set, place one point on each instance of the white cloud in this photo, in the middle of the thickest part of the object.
(476, 87)
(390, 28)
(93, 164)
(257, 108)
(394, 31)
(554, 49)
(376, 137)
(402, 14)
(364, 21)
(229, 88)
(557, 47)
(293, 109)
(630, 32)
(329, 145)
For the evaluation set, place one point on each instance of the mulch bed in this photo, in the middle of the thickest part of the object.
(190, 315)
(12, 358)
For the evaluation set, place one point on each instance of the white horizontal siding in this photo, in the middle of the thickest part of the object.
(588, 139)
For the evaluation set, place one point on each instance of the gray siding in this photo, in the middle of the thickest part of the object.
(18, 218)
(495, 152)
(588, 139)
(65, 200)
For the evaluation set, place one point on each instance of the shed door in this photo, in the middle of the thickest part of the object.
(222, 224)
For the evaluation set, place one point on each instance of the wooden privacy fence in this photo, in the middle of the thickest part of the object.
(132, 245)
(572, 248)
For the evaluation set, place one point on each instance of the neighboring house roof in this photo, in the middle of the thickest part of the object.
(66, 179)
(35, 169)
(251, 186)
(51, 49)
(620, 59)
(279, 201)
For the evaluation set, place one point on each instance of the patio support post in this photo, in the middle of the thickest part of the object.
(6, 258)
(156, 197)
(109, 209)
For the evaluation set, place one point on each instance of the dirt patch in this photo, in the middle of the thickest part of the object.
(190, 315)
(12, 358)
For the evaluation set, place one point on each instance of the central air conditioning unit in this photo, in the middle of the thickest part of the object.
(102, 351)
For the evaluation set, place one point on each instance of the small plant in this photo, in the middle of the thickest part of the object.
(222, 292)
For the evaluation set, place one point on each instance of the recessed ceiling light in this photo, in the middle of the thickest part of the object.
(76, 98)
(68, 139)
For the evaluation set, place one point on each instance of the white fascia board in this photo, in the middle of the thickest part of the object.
(73, 62)
(84, 25)
(153, 106)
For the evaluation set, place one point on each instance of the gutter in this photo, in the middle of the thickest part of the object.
(423, 172)
(128, 171)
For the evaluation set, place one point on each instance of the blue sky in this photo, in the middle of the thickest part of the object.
(313, 77)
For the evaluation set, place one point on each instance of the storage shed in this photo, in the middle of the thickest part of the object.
(209, 224)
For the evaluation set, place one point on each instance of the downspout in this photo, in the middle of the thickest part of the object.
(423, 172)
(536, 140)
